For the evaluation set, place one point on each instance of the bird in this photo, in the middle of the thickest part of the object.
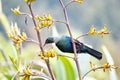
(64, 44)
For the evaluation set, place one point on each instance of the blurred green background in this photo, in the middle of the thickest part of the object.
(81, 17)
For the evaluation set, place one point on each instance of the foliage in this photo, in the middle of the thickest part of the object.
(51, 65)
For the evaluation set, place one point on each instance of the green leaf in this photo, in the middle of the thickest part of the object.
(58, 69)
(14, 61)
(69, 68)
(63, 68)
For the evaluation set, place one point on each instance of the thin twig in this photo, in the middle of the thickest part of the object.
(26, 14)
(74, 48)
(93, 69)
(82, 35)
(39, 39)
(33, 41)
(69, 3)
(60, 21)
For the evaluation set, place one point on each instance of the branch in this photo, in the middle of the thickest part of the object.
(82, 35)
(40, 42)
(26, 14)
(93, 69)
(70, 2)
(33, 41)
(60, 21)
(74, 48)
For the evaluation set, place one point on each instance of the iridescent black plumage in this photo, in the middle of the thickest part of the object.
(64, 43)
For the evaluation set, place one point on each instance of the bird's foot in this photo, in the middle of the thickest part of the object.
(75, 58)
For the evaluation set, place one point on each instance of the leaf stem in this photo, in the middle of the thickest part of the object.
(40, 42)
(33, 41)
(82, 35)
(69, 3)
(60, 21)
(93, 69)
(26, 14)
(74, 48)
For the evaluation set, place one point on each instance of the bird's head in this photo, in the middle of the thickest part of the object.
(51, 40)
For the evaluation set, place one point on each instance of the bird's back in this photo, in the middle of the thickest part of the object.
(65, 44)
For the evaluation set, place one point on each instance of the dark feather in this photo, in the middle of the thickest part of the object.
(81, 48)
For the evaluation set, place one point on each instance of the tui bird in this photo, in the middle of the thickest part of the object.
(64, 43)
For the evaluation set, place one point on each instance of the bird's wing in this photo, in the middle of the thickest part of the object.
(77, 42)
(78, 45)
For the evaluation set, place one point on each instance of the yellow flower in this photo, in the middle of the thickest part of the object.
(44, 21)
(47, 54)
(29, 1)
(23, 36)
(103, 31)
(79, 1)
(50, 53)
(93, 66)
(27, 72)
(16, 37)
(107, 66)
(49, 17)
(92, 31)
(16, 10)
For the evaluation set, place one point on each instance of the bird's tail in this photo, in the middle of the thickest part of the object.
(94, 53)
